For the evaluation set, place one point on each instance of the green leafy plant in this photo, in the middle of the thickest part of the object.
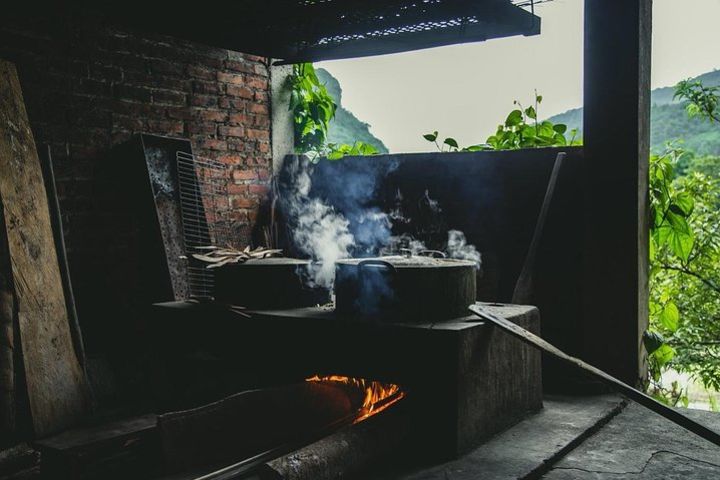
(337, 151)
(702, 101)
(449, 144)
(312, 108)
(521, 129)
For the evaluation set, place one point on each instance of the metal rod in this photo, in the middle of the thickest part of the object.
(630, 392)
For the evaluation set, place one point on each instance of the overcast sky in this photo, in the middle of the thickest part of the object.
(464, 91)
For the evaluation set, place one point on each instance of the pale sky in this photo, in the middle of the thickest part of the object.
(464, 91)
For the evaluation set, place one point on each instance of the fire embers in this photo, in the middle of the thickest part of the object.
(374, 397)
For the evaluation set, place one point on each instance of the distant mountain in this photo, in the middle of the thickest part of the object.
(669, 121)
(346, 127)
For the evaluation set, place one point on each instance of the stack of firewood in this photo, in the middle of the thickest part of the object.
(218, 256)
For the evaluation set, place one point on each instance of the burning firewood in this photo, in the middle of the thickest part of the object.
(217, 257)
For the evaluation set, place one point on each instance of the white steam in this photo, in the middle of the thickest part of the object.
(457, 247)
(319, 231)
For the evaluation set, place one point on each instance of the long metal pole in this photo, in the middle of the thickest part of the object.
(630, 392)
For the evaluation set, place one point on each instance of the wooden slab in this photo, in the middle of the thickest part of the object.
(56, 385)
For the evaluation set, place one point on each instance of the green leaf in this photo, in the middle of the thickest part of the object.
(560, 128)
(685, 203)
(670, 317)
(531, 113)
(664, 354)
(451, 142)
(431, 137)
(514, 119)
(652, 341)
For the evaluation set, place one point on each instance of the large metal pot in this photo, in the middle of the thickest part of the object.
(267, 283)
(414, 289)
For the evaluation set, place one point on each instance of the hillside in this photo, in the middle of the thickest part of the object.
(346, 127)
(669, 121)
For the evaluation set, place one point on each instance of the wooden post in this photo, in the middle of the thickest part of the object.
(616, 136)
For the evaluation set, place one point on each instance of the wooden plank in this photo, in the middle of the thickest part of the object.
(618, 385)
(55, 382)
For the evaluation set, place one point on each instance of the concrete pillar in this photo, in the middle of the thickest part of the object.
(283, 140)
(616, 136)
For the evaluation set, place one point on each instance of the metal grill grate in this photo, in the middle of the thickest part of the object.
(205, 211)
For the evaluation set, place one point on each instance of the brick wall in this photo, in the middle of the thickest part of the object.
(88, 88)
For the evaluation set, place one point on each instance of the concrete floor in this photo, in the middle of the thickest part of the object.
(594, 438)
(641, 445)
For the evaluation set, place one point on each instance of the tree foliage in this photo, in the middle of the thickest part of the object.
(684, 331)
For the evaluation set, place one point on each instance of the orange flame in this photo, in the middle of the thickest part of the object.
(378, 395)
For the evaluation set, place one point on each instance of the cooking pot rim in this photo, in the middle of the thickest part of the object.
(400, 262)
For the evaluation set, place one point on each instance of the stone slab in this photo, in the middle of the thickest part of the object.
(525, 449)
(641, 445)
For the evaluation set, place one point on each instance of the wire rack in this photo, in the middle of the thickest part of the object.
(205, 213)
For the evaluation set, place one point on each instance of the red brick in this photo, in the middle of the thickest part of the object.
(257, 82)
(230, 78)
(166, 126)
(232, 131)
(231, 103)
(197, 71)
(244, 175)
(261, 70)
(234, 160)
(261, 97)
(243, 202)
(255, 58)
(239, 66)
(235, 189)
(262, 121)
(240, 119)
(212, 88)
(237, 143)
(256, 134)
(179, 113)
(203, 100)
(263, 174)
(213, 144)
(239, 91)
(201, 128)
(212, 115)
(258, 108)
